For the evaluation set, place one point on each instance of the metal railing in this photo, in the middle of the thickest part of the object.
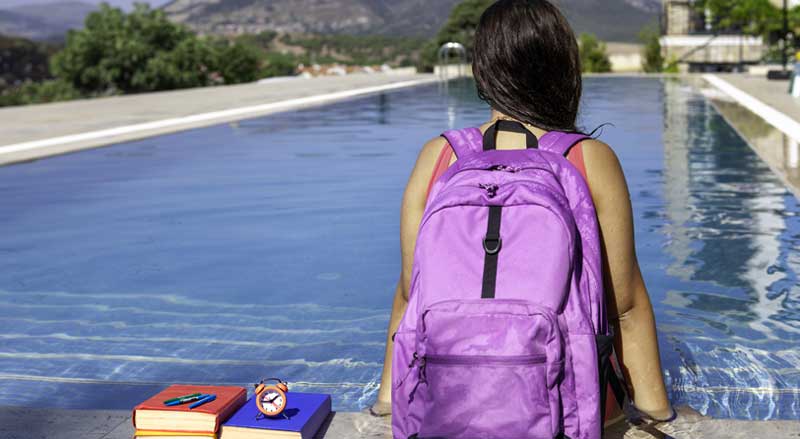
(449, 52)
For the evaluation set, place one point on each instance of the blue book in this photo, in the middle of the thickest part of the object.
(305, 411)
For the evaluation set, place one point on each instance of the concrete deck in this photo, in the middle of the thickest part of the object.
(35, 131)
(24, 423)
(773, 93)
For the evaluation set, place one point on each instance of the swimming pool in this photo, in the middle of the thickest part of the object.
(269, 247)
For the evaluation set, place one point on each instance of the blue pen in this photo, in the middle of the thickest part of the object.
(208, 398)
(185, 400)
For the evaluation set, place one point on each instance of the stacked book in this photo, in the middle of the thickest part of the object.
(189, 412)
(192, 416)
(305, 413)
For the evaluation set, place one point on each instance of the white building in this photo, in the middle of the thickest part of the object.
(690, 39)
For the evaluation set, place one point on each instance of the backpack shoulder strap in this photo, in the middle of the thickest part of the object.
(464, 142)
(559, 142)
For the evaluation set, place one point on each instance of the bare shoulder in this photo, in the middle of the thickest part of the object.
(431, 150)
(427, 157)
(599, 156)
(423, 169)
(604, 172)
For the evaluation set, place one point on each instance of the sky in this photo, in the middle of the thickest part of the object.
(123, 3)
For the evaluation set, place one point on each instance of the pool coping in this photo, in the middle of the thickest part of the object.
(777, 119)
(36, 423)
(71, 142)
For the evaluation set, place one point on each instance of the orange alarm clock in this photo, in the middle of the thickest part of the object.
(271, 399)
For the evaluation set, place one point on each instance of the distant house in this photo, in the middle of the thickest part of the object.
(690, 39)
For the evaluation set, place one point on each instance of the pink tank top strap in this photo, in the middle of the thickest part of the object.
(575, 157)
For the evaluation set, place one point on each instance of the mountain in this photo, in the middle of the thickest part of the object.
(613, 20)
(125, 4)
(43, 21)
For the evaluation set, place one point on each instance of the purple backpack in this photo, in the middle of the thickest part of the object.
(505, 334)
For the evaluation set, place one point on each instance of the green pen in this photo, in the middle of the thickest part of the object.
(182, 397)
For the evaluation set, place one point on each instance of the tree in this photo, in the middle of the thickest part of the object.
(189, 64)
(594, 58)
(238, 63)
(114, 49)
(652, 59)
(460, 27)
(143, 51)
(462, 23)
(752, 17)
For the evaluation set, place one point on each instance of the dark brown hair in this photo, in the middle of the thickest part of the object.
(527, 65)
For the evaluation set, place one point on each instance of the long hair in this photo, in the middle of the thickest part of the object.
(526, 63)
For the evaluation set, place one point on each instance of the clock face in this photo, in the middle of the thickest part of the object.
(273, 401)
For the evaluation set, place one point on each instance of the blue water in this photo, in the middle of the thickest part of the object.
(270, 248)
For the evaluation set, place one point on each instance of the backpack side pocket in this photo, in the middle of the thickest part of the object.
(405, 377)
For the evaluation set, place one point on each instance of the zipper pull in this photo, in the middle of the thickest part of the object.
(410, 368)
(421, 377)
(505, 168)
(491, 189)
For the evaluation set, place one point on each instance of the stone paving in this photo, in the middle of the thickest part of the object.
(773, 93)
(24, 423)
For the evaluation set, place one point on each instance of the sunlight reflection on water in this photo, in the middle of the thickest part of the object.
(269, 247)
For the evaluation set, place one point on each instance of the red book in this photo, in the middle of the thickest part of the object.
(154, 415)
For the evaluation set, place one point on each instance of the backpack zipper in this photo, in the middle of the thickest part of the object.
(494, 360)
(560, 199)
(470, 360)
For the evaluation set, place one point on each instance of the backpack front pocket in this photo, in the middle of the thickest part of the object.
(489, 369)
(485, 396)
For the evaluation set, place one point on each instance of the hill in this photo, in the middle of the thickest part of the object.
(418, 18)
(23, 60)
(43, 21)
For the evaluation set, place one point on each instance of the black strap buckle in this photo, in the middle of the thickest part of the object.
(492, 245)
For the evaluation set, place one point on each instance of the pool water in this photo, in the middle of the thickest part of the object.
(269, 247)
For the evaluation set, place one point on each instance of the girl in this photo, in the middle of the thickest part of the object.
(527, 67)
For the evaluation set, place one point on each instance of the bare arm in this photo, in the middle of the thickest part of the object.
(629, 308)
(410, 216)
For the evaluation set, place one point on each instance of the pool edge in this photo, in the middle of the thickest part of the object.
(34, 423)
(64, 144)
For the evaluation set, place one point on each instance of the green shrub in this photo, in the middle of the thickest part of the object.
(38, 93)
(262, 40)
(652, 59)
(190, 64)
(114, 51)
(429, 56)
(279, 64)
(143, 51)
(594, 58)
(672, 65)
(238, 63)
(355, 49)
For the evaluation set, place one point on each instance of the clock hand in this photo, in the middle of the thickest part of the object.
(273, 399)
